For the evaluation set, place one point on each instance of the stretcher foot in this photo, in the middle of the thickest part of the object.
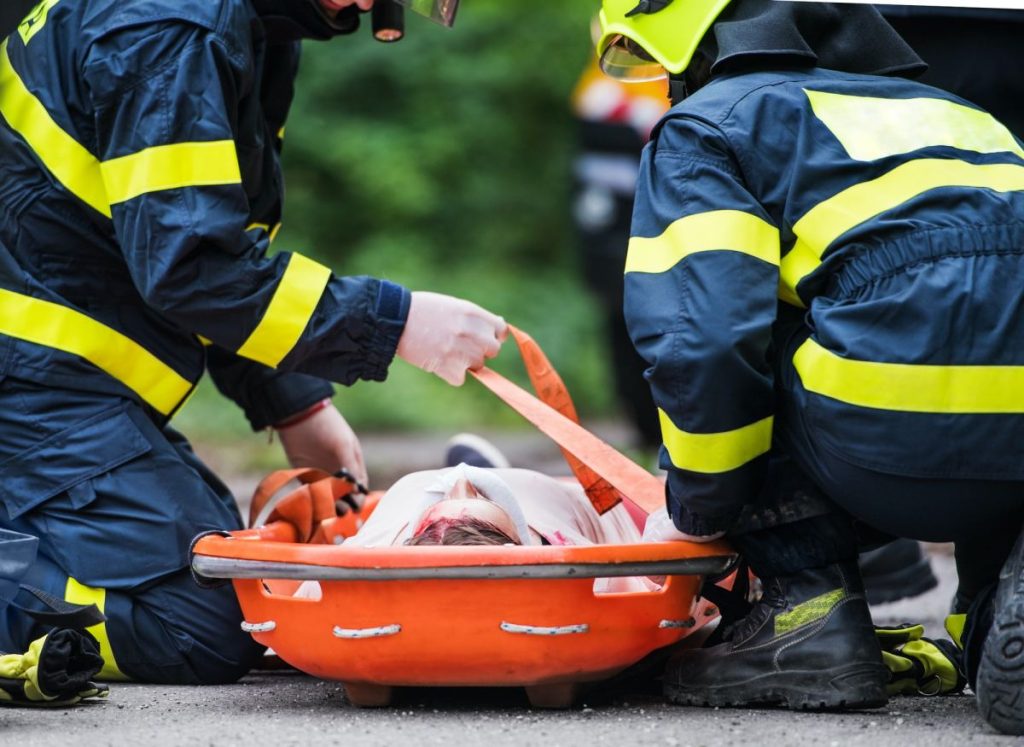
(367, 695)
(562, 695)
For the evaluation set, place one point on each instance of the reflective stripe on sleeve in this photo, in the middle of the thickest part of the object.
(290, 309)
(64, 157)
(831, 218)
(725, 230)
(910, 387)
(78, 593)
(712, 453)
(173, 166)
(55, 326)
(870, 128)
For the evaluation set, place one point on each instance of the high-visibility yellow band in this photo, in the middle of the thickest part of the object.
(870, 128)
(69, 162)
(715, 452)
(35, 21)
(828, 220)
(910, 387)
(294, 302)
(728, 230)
(78, 593)
(45, 323)
(171, 167)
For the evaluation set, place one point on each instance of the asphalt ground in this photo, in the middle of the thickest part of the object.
(286, 708)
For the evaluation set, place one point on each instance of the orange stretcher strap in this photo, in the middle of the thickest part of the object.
(607, 476)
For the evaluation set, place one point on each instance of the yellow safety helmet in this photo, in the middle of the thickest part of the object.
(652, 38)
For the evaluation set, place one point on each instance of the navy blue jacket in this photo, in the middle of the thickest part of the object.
(887, 218)
(140, 187)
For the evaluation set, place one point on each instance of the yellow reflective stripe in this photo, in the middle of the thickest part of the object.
(78, 593)
(729, 230)
(45, 323)
(910, 387)
(69, 162)
(294, 302)
(870, 128)
(715, 452)
(35, 21)
(807, 612)
(171, 167)
(274, 231)
(828, 220)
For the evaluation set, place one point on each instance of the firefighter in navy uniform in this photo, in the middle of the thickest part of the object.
(140, 187)
(823, 276)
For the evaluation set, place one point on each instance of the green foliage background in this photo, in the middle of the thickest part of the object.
(443, 163)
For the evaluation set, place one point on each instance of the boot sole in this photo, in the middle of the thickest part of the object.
(1001, 672)
(861, 686)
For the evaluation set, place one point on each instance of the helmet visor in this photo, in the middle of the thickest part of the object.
(626, 60)
(439, 11)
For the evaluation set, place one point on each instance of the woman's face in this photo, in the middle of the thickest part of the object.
(333, 6)
(464, 501)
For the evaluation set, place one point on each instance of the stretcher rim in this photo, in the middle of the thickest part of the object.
(232, 568)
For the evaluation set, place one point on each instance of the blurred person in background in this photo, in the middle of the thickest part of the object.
(140, 188)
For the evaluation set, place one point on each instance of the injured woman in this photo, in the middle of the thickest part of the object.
(499, 505)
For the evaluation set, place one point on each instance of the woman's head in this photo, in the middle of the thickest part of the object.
(467, 530)
(464, 516)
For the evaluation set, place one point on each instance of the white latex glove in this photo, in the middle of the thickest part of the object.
(325, 441)
(660, 528)
(446, 336)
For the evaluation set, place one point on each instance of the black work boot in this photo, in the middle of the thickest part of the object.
(807, 644)
(1000, 680)
(897, 570)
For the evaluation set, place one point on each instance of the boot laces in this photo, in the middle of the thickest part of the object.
(772, 599)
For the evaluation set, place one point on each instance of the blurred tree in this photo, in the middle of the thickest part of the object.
(443, 162)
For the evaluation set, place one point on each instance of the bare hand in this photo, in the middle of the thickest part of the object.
(324, 441)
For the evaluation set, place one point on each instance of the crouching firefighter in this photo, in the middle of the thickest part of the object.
(823, 277)
(140, 186)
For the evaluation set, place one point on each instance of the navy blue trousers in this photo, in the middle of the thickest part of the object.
(115, 501)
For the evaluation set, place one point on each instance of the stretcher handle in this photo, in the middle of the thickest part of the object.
(607, 475)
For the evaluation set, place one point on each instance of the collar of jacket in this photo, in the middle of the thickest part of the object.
(291, 20)
(847, 37)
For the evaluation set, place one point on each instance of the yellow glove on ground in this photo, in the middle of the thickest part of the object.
(57, 670)
(919, 665)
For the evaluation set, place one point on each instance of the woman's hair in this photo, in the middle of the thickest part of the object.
(462, 531)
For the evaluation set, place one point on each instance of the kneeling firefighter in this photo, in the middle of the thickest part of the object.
(140, 187)
(823, 276)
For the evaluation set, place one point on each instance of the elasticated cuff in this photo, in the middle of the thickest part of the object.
(391, 312)
(284, 396)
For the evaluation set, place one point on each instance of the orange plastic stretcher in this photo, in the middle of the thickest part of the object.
(464, 616)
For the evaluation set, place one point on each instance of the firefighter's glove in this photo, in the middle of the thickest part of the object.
(57, 670)
(446, 336)
(660, 528)
(919, 665)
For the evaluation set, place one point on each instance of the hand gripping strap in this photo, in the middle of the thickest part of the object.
(604, 473)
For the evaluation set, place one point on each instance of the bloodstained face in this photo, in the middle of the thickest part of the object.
(463, 501)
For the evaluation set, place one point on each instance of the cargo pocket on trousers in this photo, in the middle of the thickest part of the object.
(46, 486)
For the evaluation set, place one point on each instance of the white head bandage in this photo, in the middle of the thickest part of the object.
(488, 484)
